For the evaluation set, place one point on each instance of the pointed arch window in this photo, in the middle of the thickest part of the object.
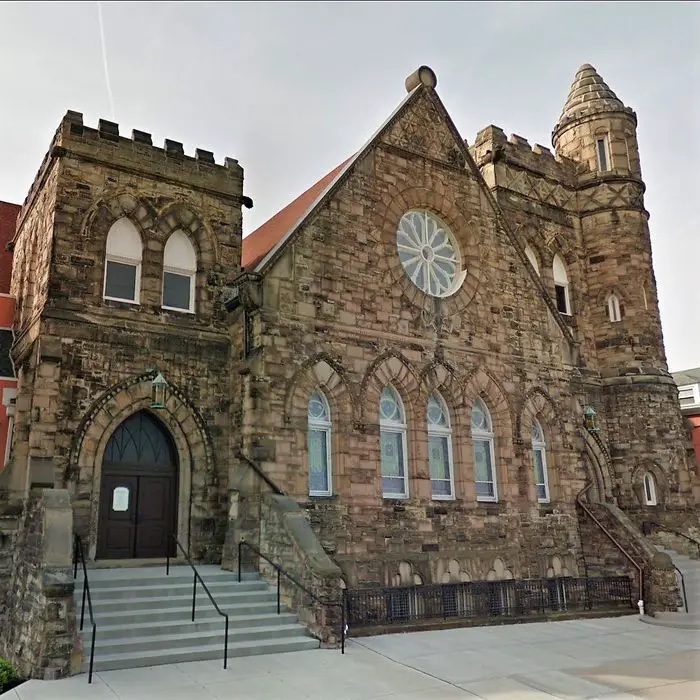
(123, 257)
(539, 458)
(530, 254)
(319, 445)
(484, 458)
(179, 273)
(649, 490)
(614, 309)
(561, 286)
(392, 436)
(440, 449)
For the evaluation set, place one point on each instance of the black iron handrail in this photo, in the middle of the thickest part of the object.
(685, 597)
(273, 486)
(281, 572)
(663, 528)
(79, 554)
(194, 591)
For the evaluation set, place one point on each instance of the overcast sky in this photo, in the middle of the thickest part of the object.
(292, 89)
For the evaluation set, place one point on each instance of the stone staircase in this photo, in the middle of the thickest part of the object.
(690, 568)
(143, 617)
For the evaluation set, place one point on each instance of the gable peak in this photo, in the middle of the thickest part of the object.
(424, 75)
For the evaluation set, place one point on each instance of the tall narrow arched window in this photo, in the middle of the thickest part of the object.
(530, 254)
(319, 445)
(392, 436)
(614, 310)
(649, 490)
(123, 257)
(539, 458)
(179, 273)
(561, 286)
(440, 449)
(484, 458)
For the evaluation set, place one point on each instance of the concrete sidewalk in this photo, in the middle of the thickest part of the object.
(615, 659)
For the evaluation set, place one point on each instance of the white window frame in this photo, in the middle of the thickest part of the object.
(614, 310)
(174, 270)
(323, 426)
(124, 260)
(485, 436)
(693, 390)
(540, 447)
(649, 484)
(530, 255)
(564, 283)
(394, 427)
(603, 141)
(442, 432)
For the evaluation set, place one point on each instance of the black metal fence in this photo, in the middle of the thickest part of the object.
(486, 599)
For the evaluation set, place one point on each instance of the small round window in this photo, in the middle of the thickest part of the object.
(428, 253)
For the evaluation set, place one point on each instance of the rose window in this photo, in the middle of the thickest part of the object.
(428, 253)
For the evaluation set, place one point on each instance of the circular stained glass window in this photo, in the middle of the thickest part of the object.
(428, 253)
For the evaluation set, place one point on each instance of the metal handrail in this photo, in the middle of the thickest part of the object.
(663, 528)
(79, 554)
(273, 486)
(194, 591)
(685, 597)
(281, 572)
(590, 514)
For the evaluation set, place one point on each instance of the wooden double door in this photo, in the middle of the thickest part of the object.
(138, 491)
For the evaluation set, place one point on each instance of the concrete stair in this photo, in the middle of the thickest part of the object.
(143, 617)
(690, 568)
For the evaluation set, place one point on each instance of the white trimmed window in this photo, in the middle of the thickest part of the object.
(530, 254)
(539, 458)
(123, 263)
(603, 153)
(614, 310)
(561, 286)
(179, 273)
(319, 445)
(689, 395)
(484, 458)
(649, 490)
(440, 449)
(392, 436)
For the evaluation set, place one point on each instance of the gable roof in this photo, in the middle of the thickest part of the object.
(8, 222)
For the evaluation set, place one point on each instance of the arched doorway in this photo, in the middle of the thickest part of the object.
(138, 492)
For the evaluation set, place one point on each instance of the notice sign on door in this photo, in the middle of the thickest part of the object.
(120, 499)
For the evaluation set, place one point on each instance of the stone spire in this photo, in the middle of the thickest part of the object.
(589, 94)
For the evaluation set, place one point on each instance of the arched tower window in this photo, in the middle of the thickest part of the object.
(392, 437)
(530, 253)
(319, 445)
(649, 490)
(539, 458)
(484, 459)
(179, 273)
(614, 309)
(440, 449)
(123, 257)
(561, 286)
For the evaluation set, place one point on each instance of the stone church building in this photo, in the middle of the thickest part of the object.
(444, 354)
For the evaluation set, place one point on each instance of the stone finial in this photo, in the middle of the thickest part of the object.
(589, 92)
(423, 76)
(108, 130)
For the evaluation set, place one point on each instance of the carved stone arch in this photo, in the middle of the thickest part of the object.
(558, 245)
(181, 216)
(187, 429)
(320, 372)
(389, 368)
(404, 573)
(466, 231)
(118, 205)
(539, 404)
(441, 377)
(660, 481)
(480, 383)
(600, 469)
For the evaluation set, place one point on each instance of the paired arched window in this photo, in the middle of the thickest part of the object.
(561, 286)
(614, 309)
(319, 445)
(440, 449)
(392, 437)
(123, 257)
(539, 458)
(484, 457)
(530, 254)
(649, 490)
(179, 273)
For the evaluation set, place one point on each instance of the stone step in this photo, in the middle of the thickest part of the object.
(173, 589)
(209, 652)
(153, 575)
(679, 620)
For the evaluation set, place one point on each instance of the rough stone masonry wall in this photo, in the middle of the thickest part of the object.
(11, 506)
(39, 635)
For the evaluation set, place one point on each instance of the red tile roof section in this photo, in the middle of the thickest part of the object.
(259, 243)
(8, 220)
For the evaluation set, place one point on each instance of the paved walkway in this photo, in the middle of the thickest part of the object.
(614, 659)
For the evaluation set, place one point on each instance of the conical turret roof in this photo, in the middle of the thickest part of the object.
(589, 93)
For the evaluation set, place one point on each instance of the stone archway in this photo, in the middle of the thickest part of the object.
(185, 426)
